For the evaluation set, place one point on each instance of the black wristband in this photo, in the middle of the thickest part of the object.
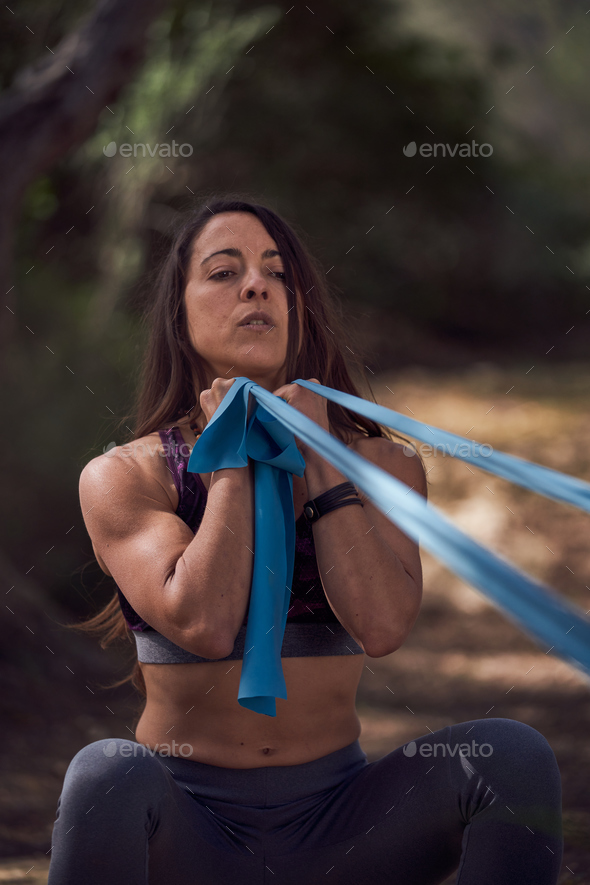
(336, 493)
(339, 496)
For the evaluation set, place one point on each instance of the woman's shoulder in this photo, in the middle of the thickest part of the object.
(135, 468)
(364, 444)
(399, 459)
(379, 449)
(137, 452)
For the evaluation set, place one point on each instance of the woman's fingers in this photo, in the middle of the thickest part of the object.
(287, 391)
(306, 401)
(212, 396)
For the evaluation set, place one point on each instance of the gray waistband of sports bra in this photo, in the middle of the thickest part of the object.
(300, 641)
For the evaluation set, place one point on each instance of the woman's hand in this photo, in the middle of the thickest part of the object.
(320, 475)
(211, 398)
(311, 404)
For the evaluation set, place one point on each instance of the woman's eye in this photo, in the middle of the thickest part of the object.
(279, 274)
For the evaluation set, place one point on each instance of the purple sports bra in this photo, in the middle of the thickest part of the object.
(312, 628)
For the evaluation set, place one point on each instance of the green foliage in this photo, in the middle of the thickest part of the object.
(40, 201)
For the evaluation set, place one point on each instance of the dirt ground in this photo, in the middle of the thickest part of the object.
(463, 660)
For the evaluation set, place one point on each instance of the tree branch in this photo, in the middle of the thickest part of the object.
(54, 105)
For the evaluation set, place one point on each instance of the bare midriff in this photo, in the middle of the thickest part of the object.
(196, 706)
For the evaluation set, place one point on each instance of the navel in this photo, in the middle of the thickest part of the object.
(268, 751)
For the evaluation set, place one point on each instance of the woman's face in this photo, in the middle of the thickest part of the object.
(236, 271)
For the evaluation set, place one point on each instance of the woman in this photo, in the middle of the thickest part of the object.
(211, 792)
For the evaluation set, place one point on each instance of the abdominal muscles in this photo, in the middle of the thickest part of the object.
(196, 706)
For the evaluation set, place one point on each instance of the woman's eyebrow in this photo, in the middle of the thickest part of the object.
(237, 253)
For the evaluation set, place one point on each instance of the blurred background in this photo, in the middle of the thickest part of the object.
(464, 277)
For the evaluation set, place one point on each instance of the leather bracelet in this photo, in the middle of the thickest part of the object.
(336, 493)
(331, 500)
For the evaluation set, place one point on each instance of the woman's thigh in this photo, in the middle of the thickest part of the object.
(122, 818)
(482, 795)
(393, 822)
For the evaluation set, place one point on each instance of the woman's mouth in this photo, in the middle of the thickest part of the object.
(257, 326)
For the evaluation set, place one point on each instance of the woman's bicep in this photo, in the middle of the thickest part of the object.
(134, 531)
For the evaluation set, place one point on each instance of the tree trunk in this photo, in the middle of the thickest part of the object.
(54, 106)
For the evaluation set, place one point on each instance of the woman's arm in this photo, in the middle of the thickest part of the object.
(370, 570)
(192, 588)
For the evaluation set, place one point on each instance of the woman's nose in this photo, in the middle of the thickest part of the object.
(253, 292)
(254, 284)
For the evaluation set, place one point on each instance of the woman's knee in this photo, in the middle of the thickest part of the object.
(112, 762)
(513, 749)
(516, 738)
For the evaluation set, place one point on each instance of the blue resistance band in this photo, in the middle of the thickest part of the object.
(267, 437)
(542, 480)
(228, 440)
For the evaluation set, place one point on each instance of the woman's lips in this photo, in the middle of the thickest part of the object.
(257, 327)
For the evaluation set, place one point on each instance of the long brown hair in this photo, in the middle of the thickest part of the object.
(173, 374)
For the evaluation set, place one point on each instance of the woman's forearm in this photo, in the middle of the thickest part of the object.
(209, 591)
(365, 582)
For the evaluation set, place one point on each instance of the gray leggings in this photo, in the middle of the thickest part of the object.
(483, 796)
